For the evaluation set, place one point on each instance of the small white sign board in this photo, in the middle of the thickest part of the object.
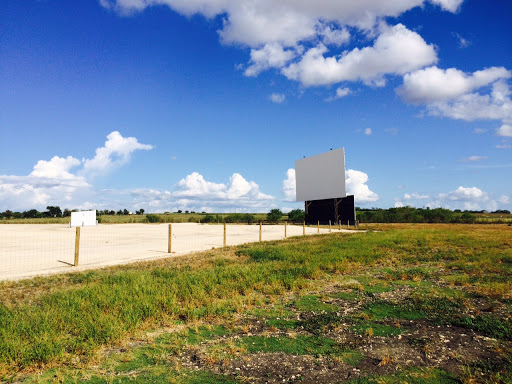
(83, 218)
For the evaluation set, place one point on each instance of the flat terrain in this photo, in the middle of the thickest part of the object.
(403, 303)
(35, 249)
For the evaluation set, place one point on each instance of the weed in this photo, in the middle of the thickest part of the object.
(376, 329)
(380, 310)
(488, 325)
(316, 324)
(310, 303)
(299, 345)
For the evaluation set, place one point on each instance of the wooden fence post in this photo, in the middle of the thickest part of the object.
(224, 234)
(169, 239)
(318, 226)
(285, 229)
(329, 225)
(77, 245)
(260, 230)
(304, 228)
(339, 225)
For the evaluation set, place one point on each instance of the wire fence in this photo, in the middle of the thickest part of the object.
(28, 250)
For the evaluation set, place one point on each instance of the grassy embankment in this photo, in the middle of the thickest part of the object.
(150, 314)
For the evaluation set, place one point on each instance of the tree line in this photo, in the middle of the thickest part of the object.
(364, 215)
(418, 215)
(56, 211)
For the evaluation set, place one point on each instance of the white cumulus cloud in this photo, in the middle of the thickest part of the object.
(289, 185)
(57, 167)
(195, 191)
(415, 196)
(454, 94)
(397, 50)
(356, 185)
(340, 92)
(277, 98)
(277, 32)
(464, 194)
(332, 36)
(467, 198)
(271, 55)
(435, 84)
(505, 130)
(449, 5)
(194, 185)
(54, 181)
(116, 152)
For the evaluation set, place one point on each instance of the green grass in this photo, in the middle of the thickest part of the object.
(51, 320)
(154, 375)
(382, 310)
(319, 322)
(310, 303)
(376, 329)
(411, 376)
(299, 345)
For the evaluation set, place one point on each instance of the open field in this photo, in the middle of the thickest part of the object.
(29, 249)
(494, 218)
(409, 303)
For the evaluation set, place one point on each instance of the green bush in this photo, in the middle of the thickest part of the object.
(211, 219)
(240, 218)
(296, 216)
(152, 218)
(274, 215)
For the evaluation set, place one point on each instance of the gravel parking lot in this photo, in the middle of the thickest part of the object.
(28, 250)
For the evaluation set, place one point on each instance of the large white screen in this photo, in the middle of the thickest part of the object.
(321, 176)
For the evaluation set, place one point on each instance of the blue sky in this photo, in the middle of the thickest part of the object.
(205, 105)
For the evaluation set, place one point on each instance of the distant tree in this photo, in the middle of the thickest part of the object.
(126, 212)
(32, 214)
(141, 211)
(7, 214)
(17, 215)
(186, 212)
(296, 216)
(66, 213)
(54, 211)
(179, 211)
(274, 215)
(467, 218)
(120, 212)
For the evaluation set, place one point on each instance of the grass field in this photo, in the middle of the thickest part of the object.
(399, 303)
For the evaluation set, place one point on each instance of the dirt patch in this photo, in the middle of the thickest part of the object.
(411, 344)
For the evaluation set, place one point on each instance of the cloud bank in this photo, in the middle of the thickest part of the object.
(481, 95)
(302, 39)
(67, 182)
(466, 198)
